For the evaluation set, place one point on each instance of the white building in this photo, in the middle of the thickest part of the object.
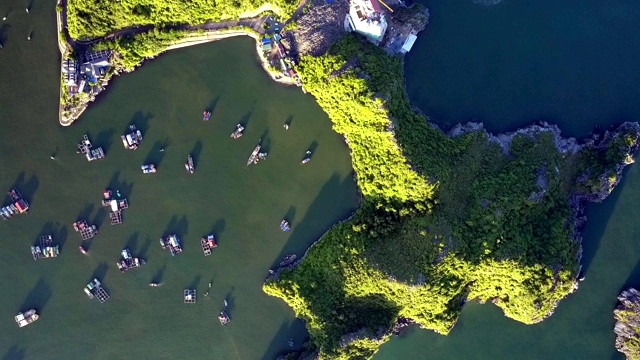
(70, 71)
(366, 18)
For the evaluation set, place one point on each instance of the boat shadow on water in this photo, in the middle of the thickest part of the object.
(289, 330)
(27, 188)
(141, 121)
(104, 139)
(195, 153)
(57, 231)
(155, 156)
(195, 282)
(115, 184)
(217, 229)
(100, 272)
(14, 353)
(38, 297)
(159, 275)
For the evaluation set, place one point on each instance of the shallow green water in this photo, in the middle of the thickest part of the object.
(573, 63)
(242, 205)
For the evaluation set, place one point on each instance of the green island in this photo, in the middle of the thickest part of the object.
(627, 328)
(445, 218)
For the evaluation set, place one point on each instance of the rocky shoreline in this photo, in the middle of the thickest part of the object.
(627, 328)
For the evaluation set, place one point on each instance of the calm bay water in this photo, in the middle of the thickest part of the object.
(241, 205)
(573, 63)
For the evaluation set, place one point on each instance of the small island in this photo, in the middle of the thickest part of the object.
(445, 217)
(627, 328)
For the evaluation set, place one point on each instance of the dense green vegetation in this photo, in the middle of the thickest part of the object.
(627, 329)
(465, 221)
(92, 19)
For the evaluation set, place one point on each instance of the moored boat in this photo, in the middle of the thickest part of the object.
(253, 158)
(206, 115)
(83, 250)
(148, 168)
(26, 318)
(223, 318)
(238, 132)
(189, 165)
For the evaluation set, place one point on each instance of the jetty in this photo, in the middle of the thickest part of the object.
(189, 296)
(189, 164)
(86, 232)
(172, 242)
(18, 205)
(85, 147)
(253, 158)
(237, 133)
(45, 248)
(128, 262)
(208, 243)
(148, 168)
(115, 205)
(132, 139)
(26, 318)
(94, 289)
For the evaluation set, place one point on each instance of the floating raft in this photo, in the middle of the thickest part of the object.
(190, 296)
(237, 133)
(115, 217)
(86, 232)
(45, 249)
(208, 243)
(132, 140)
(95, 289)
(84, 147)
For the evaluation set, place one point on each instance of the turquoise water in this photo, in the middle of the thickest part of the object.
(573, 63)
(242, 205)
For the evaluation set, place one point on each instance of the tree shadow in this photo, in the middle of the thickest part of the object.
(279, 345)
(195, 152)
(100, 271)
(291, 214)
(122, 186)
(27, 188)
(314, 224)
(14, 353)
(593, 232)
(141, 121)
(38, 297)
(633, 280)
(155, 156)
(104, 139)
(195, 282)
(157, 277)
(213, 104)
(58, 232)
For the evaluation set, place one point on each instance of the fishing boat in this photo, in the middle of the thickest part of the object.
(223, 318)
(305, 160)
(132, 139)
(206, 115)
(284, 225)
(154, 284)
(208, 243)
(254, 155)
(237, 133)
(148, 168)
(83, 250)
(189, 165)
(26, 318)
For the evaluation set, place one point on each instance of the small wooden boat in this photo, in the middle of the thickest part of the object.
(83, 250)
(189, 165)
(238, 132)
(26, 318)
(253, 158)
(154, 284)
(206, 115)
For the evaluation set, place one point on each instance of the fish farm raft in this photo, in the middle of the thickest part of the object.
(94, 289)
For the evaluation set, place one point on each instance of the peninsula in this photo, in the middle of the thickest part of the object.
(445, 218)
(627, 328)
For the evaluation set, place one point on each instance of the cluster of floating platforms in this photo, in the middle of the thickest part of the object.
(115, 205)
(173, 243)
(148, 168)
(132, 139)
(94, 289)
(45, 248)
(128, 262)
(26, 318)
(189, 296)
(85, 147)
(18, 205)
(208, 243)
(86, 232)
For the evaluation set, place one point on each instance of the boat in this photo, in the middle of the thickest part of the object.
(305, 160)
(254, 155)
(206, 115)
(129, 262)
(208, 243)
(83, 250)
(173, 243)
(284, 225)
(223, 318)
(132, 139)
(154, 284)
(189, 164)
(238, 132)
(26, 318)
(148, 168)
